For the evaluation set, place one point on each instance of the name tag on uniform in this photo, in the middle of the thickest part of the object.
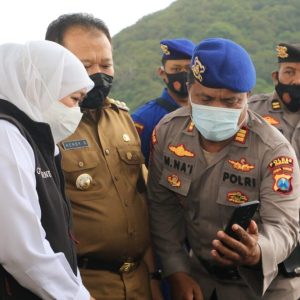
(75, 144)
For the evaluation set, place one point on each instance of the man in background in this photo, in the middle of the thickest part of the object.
(282, 107)
(175, 64)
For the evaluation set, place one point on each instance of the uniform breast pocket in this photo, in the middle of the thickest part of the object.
(131, 159)
(80, 168)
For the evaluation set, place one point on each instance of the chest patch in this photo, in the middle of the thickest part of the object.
(78, 144)
(239, 180)
(241, 165)
(181, 151)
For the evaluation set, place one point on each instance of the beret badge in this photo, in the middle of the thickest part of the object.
(165, 49)
(282, 52)
(198, 69)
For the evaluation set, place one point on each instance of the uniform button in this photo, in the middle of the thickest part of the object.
(81, 164)
(129, 155)
(106, 151)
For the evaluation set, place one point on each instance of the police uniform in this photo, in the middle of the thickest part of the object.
(148, 115)
(102, 163)
(193, 193)
(273, 110)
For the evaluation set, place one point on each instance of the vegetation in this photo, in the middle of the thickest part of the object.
(258, 25)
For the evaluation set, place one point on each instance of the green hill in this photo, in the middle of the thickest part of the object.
(258, 25)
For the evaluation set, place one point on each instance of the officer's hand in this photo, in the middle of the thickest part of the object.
(183, 287)
(228, 251)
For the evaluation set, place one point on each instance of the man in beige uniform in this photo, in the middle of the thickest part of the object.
(207, 159)
(102, 166)
(282, 107)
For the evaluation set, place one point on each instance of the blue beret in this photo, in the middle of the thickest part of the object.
(177, 49)
(221, 63)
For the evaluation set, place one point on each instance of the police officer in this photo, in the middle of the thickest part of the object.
(176, 60)
(208, 158)
(282, 107)
(102, 164)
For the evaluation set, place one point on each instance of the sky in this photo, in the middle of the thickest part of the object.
(22, 20)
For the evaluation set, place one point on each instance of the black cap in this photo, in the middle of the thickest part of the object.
(288, 52)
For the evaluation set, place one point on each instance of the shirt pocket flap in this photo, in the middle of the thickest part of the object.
(131, 156)
(81, 161)
(174, 182)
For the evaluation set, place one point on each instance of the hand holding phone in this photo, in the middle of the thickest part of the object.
(242, 216)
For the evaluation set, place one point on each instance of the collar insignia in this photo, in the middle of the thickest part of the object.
(282, 52)
(276, 105)
(241, 165)
(181, 151)
(198, 69)
(241, 135)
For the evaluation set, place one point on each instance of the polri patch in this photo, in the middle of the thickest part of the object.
(75, 144)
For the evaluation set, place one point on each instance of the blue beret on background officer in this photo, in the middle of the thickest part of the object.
(281, 107)
(209, 157)
(176, 58)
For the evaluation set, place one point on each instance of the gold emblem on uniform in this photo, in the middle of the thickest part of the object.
(241, 165)
(181, 151)
(276, 105)
(237, 197)
(280, 161)
(191, 126)
(198, 69)
(282, 183)
(126, 137)
(153, 137)
(165, 49)
(241, 135)
(174, 180)
(282, 52)
(83, 181)
(271, 120)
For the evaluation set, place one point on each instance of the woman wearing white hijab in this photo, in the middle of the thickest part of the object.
(37, 257)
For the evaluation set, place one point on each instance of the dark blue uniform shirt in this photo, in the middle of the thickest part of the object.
(146, 118)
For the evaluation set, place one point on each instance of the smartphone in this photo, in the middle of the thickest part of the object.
(242, 216)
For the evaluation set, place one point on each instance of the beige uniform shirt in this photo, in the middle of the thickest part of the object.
(192, 198)
(271, 108)
(102, 163)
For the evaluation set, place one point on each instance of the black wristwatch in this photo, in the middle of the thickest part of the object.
(157, 275)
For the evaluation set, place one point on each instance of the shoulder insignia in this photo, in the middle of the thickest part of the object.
(174, 180)
(241, 135)
(120, 104)
(276, 105)
(241, 165)
(139, 127)
(282, 170)
(181, 151)
(271, 120)
(237, 197)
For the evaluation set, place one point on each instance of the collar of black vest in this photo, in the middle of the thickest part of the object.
(40, 131)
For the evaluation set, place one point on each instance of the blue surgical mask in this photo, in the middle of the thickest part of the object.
(215, 123)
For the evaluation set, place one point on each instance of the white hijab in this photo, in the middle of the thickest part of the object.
(35, 75)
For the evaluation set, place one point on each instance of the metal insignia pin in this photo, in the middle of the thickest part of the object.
(83, 181)
(126, 137)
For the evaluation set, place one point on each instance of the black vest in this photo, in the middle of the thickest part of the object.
(55, 209)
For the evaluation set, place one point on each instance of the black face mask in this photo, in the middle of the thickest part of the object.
(177, 83)
(95, 97)
(294, 92)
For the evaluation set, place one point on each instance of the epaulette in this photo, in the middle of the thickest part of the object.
(259, 97)
(119, 104)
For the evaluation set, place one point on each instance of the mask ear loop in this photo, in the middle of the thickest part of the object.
(245, 119)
